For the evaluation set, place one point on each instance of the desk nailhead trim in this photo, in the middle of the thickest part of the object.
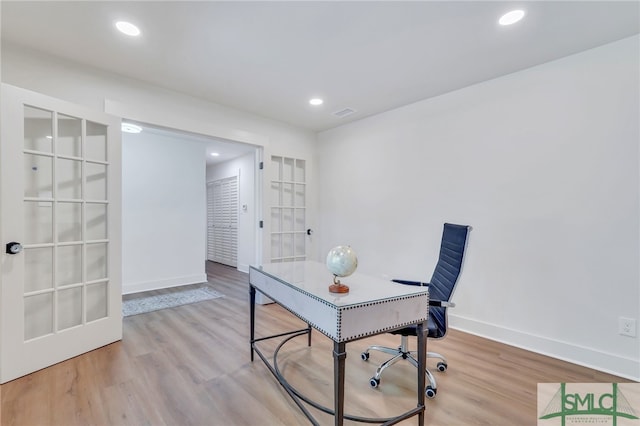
(346, 308)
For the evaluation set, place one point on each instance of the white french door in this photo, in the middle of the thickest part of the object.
(60, 191)
(288, 194)
(222, 218)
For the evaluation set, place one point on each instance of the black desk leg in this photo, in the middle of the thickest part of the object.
(422, 367)
(252, 316)
(309, 338)
(339, 355)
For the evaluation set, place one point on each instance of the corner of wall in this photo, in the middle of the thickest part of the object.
(627, 368)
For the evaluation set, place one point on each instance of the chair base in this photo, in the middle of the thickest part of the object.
(403, 352)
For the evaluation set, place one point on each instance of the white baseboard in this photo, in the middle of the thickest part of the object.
(128, 288)
(588, 357)
(243, 268)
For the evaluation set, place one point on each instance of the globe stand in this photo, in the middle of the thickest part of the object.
(337, 286)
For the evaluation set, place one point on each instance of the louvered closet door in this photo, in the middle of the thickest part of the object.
(210, 234)
(222, 218)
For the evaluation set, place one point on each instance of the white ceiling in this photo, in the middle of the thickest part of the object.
(269, 58)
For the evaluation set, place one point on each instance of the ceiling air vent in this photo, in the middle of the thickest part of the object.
(344, 112)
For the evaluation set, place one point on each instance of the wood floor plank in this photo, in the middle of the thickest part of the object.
(190, 365)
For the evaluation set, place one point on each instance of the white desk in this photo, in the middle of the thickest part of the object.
(372, 306)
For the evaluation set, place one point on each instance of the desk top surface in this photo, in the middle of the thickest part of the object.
(314, 278)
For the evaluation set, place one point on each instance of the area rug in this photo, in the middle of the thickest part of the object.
(162, 301)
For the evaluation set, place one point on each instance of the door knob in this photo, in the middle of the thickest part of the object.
(14, 248)
(309, 231)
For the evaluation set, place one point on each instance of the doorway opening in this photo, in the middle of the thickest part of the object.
(166, 173)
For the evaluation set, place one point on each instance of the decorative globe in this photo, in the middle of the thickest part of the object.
(342, 261)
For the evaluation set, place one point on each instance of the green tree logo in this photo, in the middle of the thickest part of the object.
(564, 405)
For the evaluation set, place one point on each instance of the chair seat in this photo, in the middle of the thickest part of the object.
(434, 331)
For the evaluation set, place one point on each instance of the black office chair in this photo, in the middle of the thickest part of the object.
(441, 286)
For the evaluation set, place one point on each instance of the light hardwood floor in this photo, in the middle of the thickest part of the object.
(190, 365)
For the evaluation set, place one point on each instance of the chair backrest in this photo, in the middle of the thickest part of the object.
(445, 276)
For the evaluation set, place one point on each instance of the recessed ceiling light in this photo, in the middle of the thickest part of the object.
(215, 154)
(128, 28)
(316, 101)
(131, 128)
(511, 17)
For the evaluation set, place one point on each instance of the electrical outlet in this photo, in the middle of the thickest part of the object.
(627, 326)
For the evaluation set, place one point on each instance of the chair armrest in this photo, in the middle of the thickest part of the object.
(442, 303)
(418, 283)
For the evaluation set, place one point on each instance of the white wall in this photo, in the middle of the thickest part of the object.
(163, 211)
(543, 164)
(244, 168)
(153, 105)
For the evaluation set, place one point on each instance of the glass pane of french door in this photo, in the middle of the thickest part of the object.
(66, 172)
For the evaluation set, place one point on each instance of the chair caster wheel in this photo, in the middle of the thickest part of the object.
(364, 356)
(442, 366)
(373, 382)
(430, 392)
